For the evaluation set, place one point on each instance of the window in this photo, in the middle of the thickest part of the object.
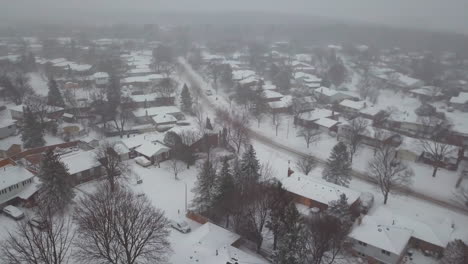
(385, 252)
(362, 243)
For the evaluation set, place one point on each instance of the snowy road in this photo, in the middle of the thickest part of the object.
(197, 82)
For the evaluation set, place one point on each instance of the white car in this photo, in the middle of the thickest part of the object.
(142, 161)
(13, 212)
(181, 226)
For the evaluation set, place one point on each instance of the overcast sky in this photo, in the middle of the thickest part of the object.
(446, 15)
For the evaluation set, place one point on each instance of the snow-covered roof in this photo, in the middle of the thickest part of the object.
(79, 161)
(462, 98)
(5, 119)
(158, 110)
(318, 190)
(316, 114)
(309, 78)
(284, 102)
(326, 91)
(164, 118)
(389, 238)
(100, 75)
(67, 115)
(142, 79)
(152, 149)
(269, 94)
(120, 148)
(142, 70)
(11, 175)
(357, 105)
(140, 98)
(427, 90)
(242, 74)
(248, 80)
(326, 122)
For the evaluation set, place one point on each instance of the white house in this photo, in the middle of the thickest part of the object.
(7, 125)
(101, 78)
(145, 115)
(153, 151)
(82, 165)
(460, 101)
(15, 182)
(351, 106)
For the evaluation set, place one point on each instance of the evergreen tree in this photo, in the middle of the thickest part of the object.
(55, 96)
(113, 96)
(279, 200)
(225, 198)
(250, 167)
(455, 253)
(341, 210)
(32, 133)
(186, 100)
(208, 124)
(206, 187)
(338, 167)
(292, 244)
(56, 188)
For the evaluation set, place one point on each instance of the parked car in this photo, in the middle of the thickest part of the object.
(209, 92)
(38, 223)
(142, 161)
(13, 212)
(181, 226)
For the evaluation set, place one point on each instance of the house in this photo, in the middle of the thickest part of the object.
(427, 93)
(282, 105)
(53, 112)
(152, 99)
(82, 165)
(370, 135)
(317, 193)
(101, 78)
(272, 96)
(145, 115)
(328, 96)
(308, 119)
(154, 151)
(384, 236)
(212, 244)
(122, 151)
(460, 102)
(16, 182)
(351, 106)
(164, 121)
(143, 81)
(7, 125)
(327, 124)
(307, 80)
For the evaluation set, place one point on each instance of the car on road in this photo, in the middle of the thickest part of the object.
(181, 226)
(13, 212)
(38, 223)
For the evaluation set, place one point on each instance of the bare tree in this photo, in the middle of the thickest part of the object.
(325, 239)
(110, 160)
(50, 245)
(200, 119)
(389, 172)
(239, 132)
(306, 164)
(309, 134)
(356, 128)
(277, 120)
(297, 108)
(175, 167)
(436, 152)
(123, 114)
(120, 227)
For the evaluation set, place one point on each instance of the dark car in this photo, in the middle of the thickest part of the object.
(38, 223)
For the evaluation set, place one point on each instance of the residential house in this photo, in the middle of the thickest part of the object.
(101, 78)
(82, 165)
(370, 135)
(460, 102)
(386, 237)
(145, 115)
(16, 182)
(319, 118)
(7, 125)
(307, 80)
(352, 107)
(427, 93)
(318, 193)
(328, 96)
(164, 121)
(143, 81)
(154, 151)
(272, 96)
(283, 105)
(152, 100)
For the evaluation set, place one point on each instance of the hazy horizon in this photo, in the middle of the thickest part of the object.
(433, 15)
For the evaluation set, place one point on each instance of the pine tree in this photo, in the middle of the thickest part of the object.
(225, 198)
(250, 167)
(206, 187)
(55, 96)
(56, 188)
(186, 100)
(279, 200)
(32, 133)
(455, 253)
(341, 210)
(338, 167)
(292, 244)
(208, 124)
